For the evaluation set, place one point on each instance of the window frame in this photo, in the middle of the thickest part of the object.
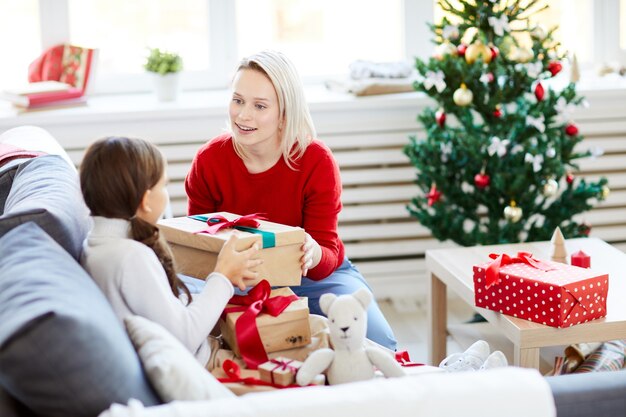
(54, 24)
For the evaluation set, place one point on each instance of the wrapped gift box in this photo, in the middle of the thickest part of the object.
(288, 330)
(546, 292)
(279, 371)
(196, 253)
(245, 381)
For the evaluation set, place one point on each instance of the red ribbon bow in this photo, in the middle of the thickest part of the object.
(492, 274)
(233, 374)
(254, 303)
(403, 359)
(219, 222)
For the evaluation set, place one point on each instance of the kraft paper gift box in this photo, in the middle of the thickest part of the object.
(196, 253)
(288, 330)
(279, 371)
(546, 292)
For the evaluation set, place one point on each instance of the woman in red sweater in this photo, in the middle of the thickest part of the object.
(271, 163)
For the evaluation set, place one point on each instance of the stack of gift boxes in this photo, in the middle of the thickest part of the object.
(265, 320)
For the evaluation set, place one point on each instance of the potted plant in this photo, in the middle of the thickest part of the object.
(165, 67)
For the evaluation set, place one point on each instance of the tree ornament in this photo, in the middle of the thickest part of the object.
(539, 92)
(497, 112)
(569, 178)
(494, 51)
(558, 253)
(440, 117)
(522, 55)
(433, 195)
(463, 96)
(584, 228)
(571, 129)
(461, 49)
(512, 213)
(550, 188)
(604, 192)
(477, 50)
(538, 32)
(554, 67)
(444, 49)
(482, 180)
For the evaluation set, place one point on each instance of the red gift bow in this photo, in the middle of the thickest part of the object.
(254, 303)
(492, 275)
(282, 366)
(403, 359)
(219, 222)
(233, 374)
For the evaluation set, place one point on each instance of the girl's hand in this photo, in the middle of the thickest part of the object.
(312, 254)
(238, 266)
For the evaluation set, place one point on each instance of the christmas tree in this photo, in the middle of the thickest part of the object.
(498, 162)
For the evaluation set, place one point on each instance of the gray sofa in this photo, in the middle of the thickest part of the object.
(63, 352)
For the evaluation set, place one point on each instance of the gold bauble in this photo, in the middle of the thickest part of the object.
(478, 50)
(463, 96)
(512, 213)
(550, 188)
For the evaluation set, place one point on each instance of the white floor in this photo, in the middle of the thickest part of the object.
(408, 318)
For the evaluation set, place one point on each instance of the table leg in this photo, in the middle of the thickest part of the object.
(526, 358)
(437, 321)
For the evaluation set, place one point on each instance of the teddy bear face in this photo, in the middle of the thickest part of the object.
(347, 320)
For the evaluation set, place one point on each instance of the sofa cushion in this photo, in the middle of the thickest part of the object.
(598, 394)
(63, 352)
(46, 190)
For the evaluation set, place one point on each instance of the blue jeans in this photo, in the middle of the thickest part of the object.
(345, 280)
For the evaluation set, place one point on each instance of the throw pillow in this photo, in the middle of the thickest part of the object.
(46, 190)
(63, 352)
(173, 370)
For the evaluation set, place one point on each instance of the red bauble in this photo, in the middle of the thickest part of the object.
(461, 49)
(482, 180)
(494, 52)
(539, 92)
(584, 228)
(497, 112)
(440, 117)
(554, 67)
(433, 195)
(569, 178)
(571, 129)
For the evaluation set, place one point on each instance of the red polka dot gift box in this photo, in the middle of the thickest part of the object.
(546, 292)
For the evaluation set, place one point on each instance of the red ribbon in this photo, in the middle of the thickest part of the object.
(218, 222)
(492, 274)
(257, 301)
(403, 359)
(233, 375)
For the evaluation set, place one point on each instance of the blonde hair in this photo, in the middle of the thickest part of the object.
(298, 130)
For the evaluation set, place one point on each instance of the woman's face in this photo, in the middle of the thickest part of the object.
(254, 114)
(155, 201)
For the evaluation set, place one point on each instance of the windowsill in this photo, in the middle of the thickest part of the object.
(192, 104)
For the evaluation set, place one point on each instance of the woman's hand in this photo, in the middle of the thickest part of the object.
(238, 266)
(312, 254)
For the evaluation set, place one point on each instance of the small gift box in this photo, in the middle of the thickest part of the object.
(546, 292)
(196, 241)
(244, 381)
(279, 371)
(265, 321)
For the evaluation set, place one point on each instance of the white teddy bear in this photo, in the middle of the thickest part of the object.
(352, 359)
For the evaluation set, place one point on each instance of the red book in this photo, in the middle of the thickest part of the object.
(38, 99)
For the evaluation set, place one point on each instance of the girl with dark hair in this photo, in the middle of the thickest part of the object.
(123, 182)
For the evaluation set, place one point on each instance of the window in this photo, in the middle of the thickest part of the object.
(20, 34)
(322, 37)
